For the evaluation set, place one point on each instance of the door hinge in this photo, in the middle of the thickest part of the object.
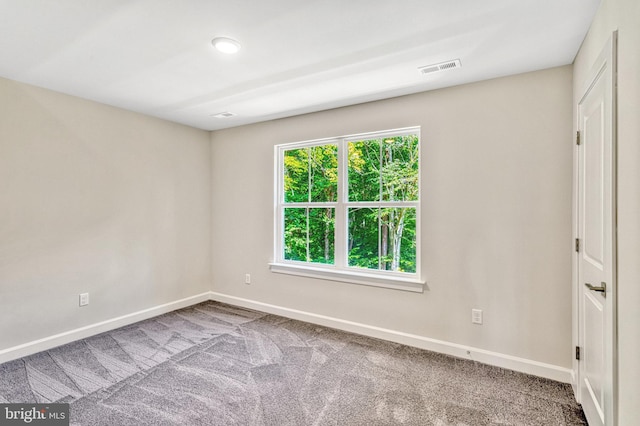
(578, 245)
(578, 137)
(578, 353)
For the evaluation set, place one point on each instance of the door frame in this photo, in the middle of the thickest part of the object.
(608, 57)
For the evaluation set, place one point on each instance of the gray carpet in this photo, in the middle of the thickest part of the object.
(215, 364)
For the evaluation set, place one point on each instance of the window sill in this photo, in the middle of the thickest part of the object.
(361, 278)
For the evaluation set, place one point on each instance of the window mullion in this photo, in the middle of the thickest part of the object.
(341, 228)
(308, 175)
(379, 238)
(379, 207)
(307, 211)
(279, 214)
(307, 217)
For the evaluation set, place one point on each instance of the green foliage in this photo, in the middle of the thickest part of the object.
(363, 238)
(384, 169)
(295, 234)
(296, 175)
(314, 227)
(400, 168)
(378, 170)
(311, 174)
(364, 170)
(383, 238)
(323, 166)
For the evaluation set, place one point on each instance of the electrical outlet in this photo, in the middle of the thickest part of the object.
(84, 299)
(476, 316)
(247, 278)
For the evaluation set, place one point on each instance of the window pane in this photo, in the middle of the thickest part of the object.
(398, 239)
(324, 173)
(296, 175)
(363, 238)
(364, 170)
(295, 234)
(309, 234)
(400, 168)
(321, 235)
(388, 244)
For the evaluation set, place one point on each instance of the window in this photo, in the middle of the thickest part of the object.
(348, 209)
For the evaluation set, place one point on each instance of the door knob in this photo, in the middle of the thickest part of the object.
(602, 289)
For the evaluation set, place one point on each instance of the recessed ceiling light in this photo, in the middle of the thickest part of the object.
(225, 114)
(226, 45)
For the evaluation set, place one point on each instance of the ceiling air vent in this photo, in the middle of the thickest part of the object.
(444, 66)
(225, 114)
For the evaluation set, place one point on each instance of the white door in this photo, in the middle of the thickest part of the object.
(596, 232)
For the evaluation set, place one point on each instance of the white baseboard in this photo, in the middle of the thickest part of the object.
(523, 365)
(47, 343)
(574, 385)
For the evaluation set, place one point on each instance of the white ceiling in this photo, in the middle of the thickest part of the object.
(298, 56)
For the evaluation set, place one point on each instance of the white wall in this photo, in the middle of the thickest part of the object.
(623, 15)
(100, 200)
(496, 196)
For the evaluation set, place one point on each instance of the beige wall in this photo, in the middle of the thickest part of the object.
(100, 200)
(496, 196)
(623, 15)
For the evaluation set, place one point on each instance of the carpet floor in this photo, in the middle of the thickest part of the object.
(216, 364)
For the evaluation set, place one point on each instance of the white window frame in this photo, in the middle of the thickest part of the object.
(340, 270)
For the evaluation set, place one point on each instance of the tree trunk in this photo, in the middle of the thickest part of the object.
(384, 249)
(327, 244)
(397, 243)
